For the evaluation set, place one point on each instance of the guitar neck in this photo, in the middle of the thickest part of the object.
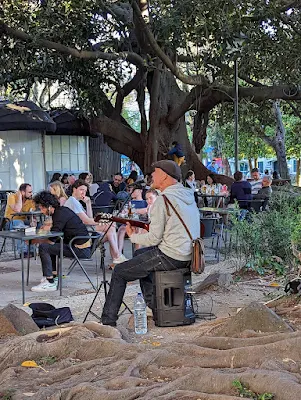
(133, 222)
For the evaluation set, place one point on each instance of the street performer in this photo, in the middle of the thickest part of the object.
(168, 246)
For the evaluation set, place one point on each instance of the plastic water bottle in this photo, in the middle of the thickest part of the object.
(140, 315)
(188, 307)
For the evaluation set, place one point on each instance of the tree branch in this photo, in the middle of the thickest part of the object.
(128, 88)
(192, 80)
(178, 112)
(117, 131)
(131, 57)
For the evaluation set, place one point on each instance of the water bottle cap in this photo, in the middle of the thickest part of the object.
(139, 294)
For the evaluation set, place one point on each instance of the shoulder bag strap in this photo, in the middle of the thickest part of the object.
(168, 203)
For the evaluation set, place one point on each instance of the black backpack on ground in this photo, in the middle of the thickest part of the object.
(45, 314)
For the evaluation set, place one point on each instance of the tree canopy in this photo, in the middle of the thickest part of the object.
(179, 52)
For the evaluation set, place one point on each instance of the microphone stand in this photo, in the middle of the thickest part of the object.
(105, 283)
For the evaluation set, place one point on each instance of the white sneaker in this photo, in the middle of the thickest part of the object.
(44, 279)
(120, 259)
(45, 286)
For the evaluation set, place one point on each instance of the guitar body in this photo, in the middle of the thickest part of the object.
(134, 222)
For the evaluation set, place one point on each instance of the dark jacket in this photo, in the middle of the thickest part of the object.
(242, 192)
(177, 150)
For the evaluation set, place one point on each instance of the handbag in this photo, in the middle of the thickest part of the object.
(198, 250)
(45, 314)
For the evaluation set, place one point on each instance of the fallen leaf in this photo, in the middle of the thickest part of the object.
(29, 364)
(156, 344)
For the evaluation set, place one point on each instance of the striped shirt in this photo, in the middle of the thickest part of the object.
(256, 186)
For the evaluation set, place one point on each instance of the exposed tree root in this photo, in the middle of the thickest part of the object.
(94, 363)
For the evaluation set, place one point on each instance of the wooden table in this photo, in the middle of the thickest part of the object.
(19, 235)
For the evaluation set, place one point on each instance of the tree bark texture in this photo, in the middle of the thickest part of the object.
(278, 142)
(153, 144)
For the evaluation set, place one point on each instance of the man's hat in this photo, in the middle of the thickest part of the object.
(170, 168)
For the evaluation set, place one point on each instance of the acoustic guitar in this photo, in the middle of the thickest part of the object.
(133, 222)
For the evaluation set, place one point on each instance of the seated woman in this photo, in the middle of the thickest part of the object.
(79, 190)
(56, 188)
(189, 182)
(141, 207)
(241, 191)
(209, 188)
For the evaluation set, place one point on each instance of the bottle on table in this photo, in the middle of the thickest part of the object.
(130, 210)
(140, 318)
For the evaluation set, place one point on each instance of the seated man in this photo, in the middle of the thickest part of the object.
(63, 220)
(240, 191)
(117, 183)
(264, 193)
(168, 244)
(21, 201)
(79, 190)
(256, 182)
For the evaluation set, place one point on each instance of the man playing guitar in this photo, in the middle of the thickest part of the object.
(168, 247)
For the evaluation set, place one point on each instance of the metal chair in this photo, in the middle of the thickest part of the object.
(96, 239)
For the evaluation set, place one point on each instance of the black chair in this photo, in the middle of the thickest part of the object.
(96, 239)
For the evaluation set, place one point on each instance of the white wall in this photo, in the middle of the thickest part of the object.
(22, 159)
(66, 153)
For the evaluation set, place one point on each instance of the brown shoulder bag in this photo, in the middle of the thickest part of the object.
(198, 249)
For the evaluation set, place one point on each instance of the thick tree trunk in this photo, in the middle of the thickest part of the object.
(250, 164)
(153, 145)
(227, 169)
(278, 142)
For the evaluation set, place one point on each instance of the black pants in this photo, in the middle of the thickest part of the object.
(48, 253)
(145, 261)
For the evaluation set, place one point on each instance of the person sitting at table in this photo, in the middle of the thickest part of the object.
(140, 207)
(266, 191)
(64, 180)
(21, 201)
(79, 190)
(63, 220)
(104, 195)
(256, 182)
(210, 190)
(189, 182)
(132, 178)
(68, 189)
(241, 191)
(117, 183)
(57, 189)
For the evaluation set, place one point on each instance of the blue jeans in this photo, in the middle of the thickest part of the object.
(145, 261)
(18, 223)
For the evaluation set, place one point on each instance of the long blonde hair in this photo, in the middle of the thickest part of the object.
(58, 189)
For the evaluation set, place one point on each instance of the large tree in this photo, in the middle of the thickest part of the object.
(176, 55)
